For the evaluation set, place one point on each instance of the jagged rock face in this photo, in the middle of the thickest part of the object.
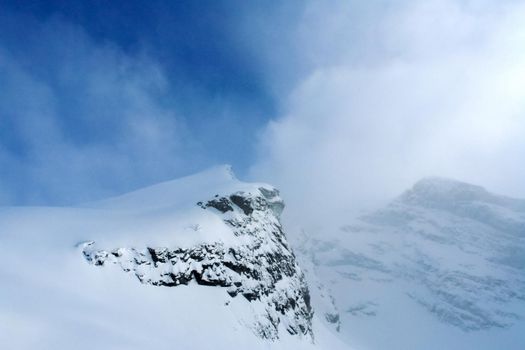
(259, 267)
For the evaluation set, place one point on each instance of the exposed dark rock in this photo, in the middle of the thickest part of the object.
(243, 203)
(221, 204)
(262, 268)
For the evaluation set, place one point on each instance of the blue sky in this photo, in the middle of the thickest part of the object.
(346, 102)
(193, 63)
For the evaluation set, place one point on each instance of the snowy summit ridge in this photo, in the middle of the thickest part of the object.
(440, 191)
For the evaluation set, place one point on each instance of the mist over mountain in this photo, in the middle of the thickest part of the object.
(207, 254)
(378, 195)
(441, 266)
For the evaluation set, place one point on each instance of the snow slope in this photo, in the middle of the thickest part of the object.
(441, 267)
(194, 263)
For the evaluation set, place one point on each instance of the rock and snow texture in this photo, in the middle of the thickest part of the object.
(442, 266)
(196, 263)
(202, 262)
(259, 265)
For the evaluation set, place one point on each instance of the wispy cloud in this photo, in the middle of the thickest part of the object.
(80, 119)
(419, 88)
(371, 96)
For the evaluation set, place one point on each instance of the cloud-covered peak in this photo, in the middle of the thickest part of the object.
(445, 189)
(466, 200)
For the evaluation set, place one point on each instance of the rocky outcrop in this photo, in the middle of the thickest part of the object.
(259, 266)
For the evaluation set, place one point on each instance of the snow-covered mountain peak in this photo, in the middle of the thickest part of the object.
(440, 191)
(446, 255)
(233, 240)
(466, 201)
(182, 192)
(200, 262)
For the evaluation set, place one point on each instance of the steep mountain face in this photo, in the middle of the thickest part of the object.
(321, 295)
(196, 263)
(442, 266)
(259, 266)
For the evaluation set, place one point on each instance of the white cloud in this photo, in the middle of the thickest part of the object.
(82, 120)
(437, 88)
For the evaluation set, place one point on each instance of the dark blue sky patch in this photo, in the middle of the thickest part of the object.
(136, 92)
(195, 41)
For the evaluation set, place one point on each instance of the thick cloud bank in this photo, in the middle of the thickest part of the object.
(423, 88)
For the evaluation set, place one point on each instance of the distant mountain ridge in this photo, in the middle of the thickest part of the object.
(443, 256)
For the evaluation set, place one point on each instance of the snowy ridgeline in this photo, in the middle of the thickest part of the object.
(442, 266)
(202, 262)
(198, 262)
